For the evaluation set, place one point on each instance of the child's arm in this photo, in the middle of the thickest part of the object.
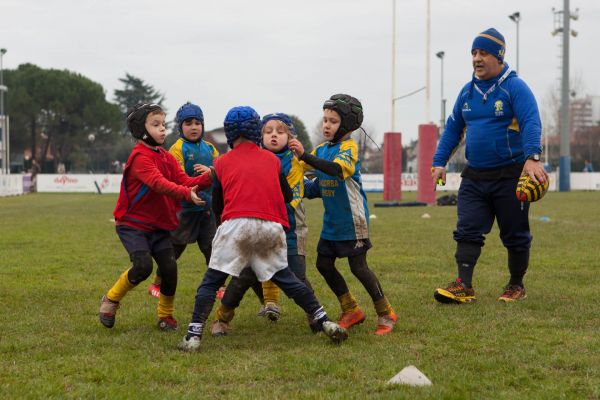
(203, 181)
(311, 188)
(144, 169)
(288, 195)
(218, 204)
(328, 167)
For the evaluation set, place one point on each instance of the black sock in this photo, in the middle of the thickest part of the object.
(465, 274)
(466, 255)
(518, 261)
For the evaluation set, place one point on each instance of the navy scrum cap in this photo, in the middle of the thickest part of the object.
(491, 41)
(242, 121)
(280, 117)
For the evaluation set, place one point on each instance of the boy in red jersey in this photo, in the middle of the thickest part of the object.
(249, 195)
(151, 192)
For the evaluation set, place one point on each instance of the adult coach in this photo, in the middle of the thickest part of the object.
(498, 114)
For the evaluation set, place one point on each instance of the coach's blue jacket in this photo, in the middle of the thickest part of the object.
(501, 121)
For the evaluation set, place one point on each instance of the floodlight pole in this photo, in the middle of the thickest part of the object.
(516, 17)
(3, 123)
(440, 55)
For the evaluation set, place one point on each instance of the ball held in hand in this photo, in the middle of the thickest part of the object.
(528, 190)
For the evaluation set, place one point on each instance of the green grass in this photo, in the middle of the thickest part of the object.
(59, 254)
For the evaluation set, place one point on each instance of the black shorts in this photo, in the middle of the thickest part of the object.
(343, 248)
(195, 226)
(135, 240)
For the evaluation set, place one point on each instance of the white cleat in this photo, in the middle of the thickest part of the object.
(336, 333)
(190, 345)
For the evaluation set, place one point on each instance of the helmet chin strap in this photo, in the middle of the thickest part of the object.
(149, 140)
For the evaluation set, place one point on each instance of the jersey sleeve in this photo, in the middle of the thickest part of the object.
(213, 150)
(177, 151)
(295, 179)
(452, 136)
(347, 158)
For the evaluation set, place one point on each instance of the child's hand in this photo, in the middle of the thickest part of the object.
(296, 147)
(199, 169)
(197, 200)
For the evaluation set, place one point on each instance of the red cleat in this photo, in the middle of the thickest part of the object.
(385, 323)
(352, 318)
(221, 292)
(154, 290)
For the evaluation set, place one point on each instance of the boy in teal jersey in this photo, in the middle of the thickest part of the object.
(345, 222)
(195, 155)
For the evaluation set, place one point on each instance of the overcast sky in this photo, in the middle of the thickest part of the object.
(290, 56)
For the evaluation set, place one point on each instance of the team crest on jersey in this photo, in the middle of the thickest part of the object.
(498, 105)
(466, 107)
(190, 157)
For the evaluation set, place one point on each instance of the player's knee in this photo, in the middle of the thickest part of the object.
(358, 264)
(168, 270)
(142, 267)
(325, 264)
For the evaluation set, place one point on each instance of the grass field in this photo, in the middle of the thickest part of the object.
(59, 254)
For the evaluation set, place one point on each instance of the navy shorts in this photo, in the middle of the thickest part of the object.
(135, 240)
(343, 248)
(195, 227)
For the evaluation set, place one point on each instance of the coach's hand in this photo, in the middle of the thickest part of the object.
(438, 173)
(196, 199)
(536, 171)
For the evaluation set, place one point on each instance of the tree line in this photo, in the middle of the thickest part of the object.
(62, 119)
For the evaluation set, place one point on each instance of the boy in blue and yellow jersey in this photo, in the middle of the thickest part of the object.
(195, 156)
(277, 129)
(345, 222)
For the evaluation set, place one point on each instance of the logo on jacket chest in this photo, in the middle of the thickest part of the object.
(466, 107)
(499, 108)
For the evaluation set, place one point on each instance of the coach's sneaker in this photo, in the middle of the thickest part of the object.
(385, 323)
(108, 311)
(335, 332)
(154, 290)
(167, 324)
(272, 312)
(350, 319)
(455, 293)
(219, 328)
(513, 293)
(190, 344)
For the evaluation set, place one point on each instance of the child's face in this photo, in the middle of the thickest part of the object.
(155, 125)
(192, 129)
(275, 135)
(331, 123)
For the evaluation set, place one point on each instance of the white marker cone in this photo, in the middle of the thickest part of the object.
(410, 376)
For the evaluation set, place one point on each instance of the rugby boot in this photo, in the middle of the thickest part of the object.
(513, 293)
(349, 319)
(108, 312)
(455, 293)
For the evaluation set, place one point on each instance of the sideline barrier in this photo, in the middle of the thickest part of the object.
(78, 183)
(11, 185)
(111, 183)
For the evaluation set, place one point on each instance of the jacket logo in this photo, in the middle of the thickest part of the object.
(498, 105)
(466, 107)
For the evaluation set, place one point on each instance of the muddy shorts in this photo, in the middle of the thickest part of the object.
(252, 242)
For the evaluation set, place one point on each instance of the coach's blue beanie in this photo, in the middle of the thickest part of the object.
(491, 41)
